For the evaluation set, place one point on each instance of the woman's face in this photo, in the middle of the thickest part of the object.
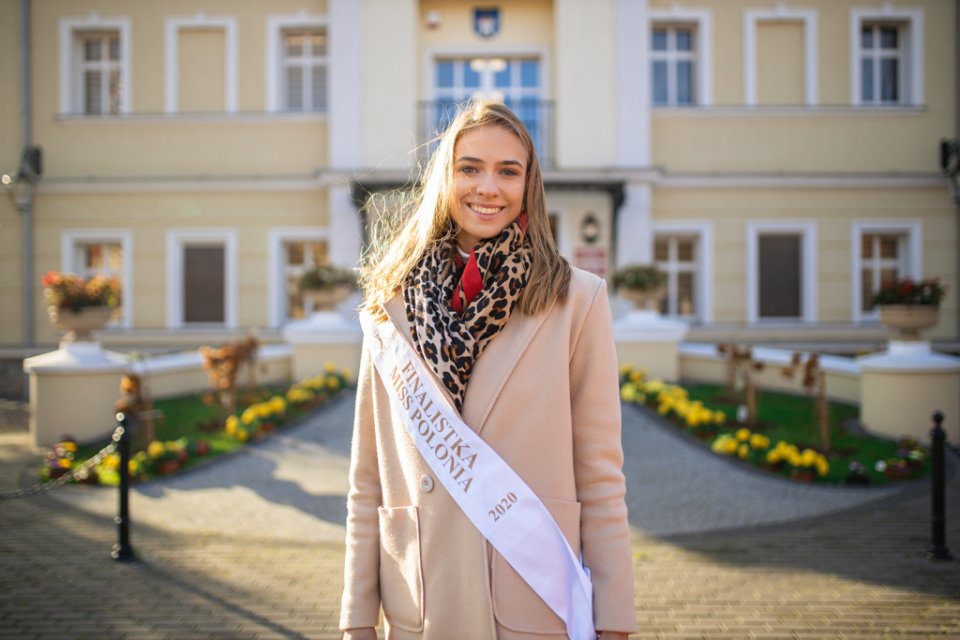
(489, 175)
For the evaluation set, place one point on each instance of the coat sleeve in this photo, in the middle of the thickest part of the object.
(360, 605)
(598, 468)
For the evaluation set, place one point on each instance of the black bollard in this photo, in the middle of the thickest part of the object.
(122, 551)
(938, 549)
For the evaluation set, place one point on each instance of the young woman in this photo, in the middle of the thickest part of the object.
(518, 346)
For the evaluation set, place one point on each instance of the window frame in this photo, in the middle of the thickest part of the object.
(71, 86)
(276, 283)
(702, 231)
(910, 20)
(807, 230)
(701, 23)
(275, 83)
(171, 76)
(176, 241)
(672, 56)
(912, 230)
(70, 238)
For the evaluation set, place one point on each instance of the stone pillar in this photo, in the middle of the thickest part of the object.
(902, 386)
(635, 227)
(647, 340)
(72, 392)
(325, 336)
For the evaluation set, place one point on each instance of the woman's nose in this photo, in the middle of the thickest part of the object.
(487, 185)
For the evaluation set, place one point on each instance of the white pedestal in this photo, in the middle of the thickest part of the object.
(647, 340)
(901, 387)
(326, 336)
(73, 391)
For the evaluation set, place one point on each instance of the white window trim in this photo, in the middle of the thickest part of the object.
(703, 39)
(70, 99)
(807, 229)
(703, 230)
(913, 16)
(781, 14)
(171, 75)
(275, 26)
(68, 245)
(276, 283)
(913, 229)
(177, 240)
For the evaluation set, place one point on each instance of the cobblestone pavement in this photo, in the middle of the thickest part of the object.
(222, 551)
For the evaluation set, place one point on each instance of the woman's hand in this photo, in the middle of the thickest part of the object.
(613, 635)
(364, 633)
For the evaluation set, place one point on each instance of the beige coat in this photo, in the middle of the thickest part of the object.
(544, 395)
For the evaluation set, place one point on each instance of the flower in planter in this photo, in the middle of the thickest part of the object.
(70, 291)
(327, 277)
(639, 277)
(911, 293)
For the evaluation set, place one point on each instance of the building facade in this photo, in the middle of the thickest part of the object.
(778, 159)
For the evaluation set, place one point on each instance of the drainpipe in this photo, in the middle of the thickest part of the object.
(27, 209)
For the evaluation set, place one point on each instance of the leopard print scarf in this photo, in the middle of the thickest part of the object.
(449, 342)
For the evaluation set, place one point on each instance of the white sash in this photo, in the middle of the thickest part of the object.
(495, 499)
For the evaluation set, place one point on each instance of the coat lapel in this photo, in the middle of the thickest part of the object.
(492, 370)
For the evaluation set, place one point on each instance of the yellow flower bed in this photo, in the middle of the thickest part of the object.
(673, 401)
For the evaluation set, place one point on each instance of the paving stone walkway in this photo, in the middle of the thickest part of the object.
(251, 547)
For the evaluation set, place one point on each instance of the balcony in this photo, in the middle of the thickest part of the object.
(536, 115)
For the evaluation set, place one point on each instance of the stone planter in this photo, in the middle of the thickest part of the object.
(644, 299)
(326, 299)
(79, 325)
(907, 321)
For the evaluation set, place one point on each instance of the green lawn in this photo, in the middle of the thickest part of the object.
(791, 418)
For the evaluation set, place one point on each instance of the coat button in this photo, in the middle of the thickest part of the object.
(426, 484)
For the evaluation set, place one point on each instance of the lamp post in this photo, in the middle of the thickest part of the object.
(20, 189)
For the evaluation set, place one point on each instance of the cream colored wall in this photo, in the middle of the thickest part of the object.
(572, 207)
(390, 63)
(11, 311)
(833, 210)
(201, 61)
(780, 63)
(523, 23)
(586, 90)
(149, 215)
(208, 146)
(823, 140)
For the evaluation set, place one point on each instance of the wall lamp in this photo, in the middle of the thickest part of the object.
(590, 228)
(19, 187)
(950, 164)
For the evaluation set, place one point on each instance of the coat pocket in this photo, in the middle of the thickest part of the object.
(401, 576)
(515, 605)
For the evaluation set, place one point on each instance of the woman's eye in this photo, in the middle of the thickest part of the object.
(510, 172)
(467, 170)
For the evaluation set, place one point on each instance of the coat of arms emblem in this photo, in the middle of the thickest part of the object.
(486, 22)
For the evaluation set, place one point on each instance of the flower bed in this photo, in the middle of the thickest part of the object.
(189, 434)
(776, 447)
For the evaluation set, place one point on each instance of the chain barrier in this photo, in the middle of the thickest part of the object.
(78, 473)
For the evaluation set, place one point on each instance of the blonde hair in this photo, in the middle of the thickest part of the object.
(402, 236)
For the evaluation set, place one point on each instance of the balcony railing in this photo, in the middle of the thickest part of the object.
(536, 115)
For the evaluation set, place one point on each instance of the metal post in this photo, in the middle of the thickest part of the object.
(938, 549)
(122, 551)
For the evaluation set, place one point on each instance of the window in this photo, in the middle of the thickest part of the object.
(886, 52)
(881, 252)
(100, 72)
(516, 81)
(94, 66)
(89, 253)
(881, 63)
(677, 257)
(300, 255)
(305, 70)
(674, 59)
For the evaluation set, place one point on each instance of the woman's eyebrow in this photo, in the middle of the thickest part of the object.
(501, 162)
